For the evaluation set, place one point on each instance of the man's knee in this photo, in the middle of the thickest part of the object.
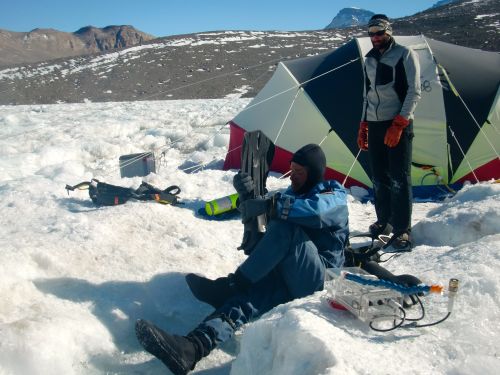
(281, 226)
(290, 232)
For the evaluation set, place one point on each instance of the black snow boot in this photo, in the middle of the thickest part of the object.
(380, 229)
(216, 292)
(179, 353)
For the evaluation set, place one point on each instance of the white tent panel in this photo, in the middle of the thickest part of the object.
(305, 124)
(340, 158)
(268, 109)
(430, 117)
(285, 113)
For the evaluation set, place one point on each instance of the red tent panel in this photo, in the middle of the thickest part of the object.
(281, 161)
(485, 172)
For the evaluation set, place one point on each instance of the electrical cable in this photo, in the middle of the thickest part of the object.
(393, 255)
(422, 309)
(403, 318)
(414, 325)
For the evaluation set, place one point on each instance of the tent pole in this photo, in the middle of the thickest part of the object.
(287, 114)
(457, 94)
(200, 166)
(299, 85)
(325, 137)
(350, 169)
(285, 174)
(463, 153)
(319, 144)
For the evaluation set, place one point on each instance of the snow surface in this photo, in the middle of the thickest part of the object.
(76, 277)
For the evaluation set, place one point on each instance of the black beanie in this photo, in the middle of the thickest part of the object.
(313, 158)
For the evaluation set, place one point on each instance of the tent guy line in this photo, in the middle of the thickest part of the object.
(298, 86)
(463, 153)
(457, 94)
(335, 102)
(212, 78)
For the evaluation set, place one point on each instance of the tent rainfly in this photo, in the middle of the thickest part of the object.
(319, 100)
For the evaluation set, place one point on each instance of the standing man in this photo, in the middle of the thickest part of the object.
(392, 91)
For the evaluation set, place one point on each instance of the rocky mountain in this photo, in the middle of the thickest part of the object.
(443, 2)
(44, 44)
(470, 23)
(111, 37)
(224, 63)
(349, 17)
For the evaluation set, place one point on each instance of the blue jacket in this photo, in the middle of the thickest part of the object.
(322, 214)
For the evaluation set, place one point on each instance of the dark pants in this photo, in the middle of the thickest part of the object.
(284, 265)
(391, 176)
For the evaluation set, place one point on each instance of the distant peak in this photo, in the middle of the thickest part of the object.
(90, 28)
(346, 9)
(348, 17)
(112, 27)
(41, 30)
(86, 29)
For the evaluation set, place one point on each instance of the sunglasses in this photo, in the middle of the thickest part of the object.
(376, 33)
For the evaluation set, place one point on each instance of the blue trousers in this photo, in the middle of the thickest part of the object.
(284, 265)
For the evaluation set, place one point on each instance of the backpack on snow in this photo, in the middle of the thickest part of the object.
(103, 194)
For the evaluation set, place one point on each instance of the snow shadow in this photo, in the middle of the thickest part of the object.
(164, 300)
(191, 167)
(109, 365)
(346, 322)
(76, 205)
(198, 208)
(339, 318)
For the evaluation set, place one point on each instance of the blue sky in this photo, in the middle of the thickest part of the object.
(169, 17)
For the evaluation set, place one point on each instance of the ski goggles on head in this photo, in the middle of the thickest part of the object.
(376, 33)
(379, 27)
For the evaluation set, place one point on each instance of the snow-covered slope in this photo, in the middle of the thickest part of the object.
(75, 277)
(214, 64)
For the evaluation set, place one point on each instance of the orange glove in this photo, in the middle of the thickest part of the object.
(363, 136)
(393, 133)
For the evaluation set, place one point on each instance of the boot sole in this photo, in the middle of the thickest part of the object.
(148, 337)
(392, 250)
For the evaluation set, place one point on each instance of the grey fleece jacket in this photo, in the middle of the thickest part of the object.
(392, 83)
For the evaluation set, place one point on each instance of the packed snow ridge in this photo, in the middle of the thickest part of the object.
(75, 277)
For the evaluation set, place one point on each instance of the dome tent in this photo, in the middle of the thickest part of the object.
(319, 99)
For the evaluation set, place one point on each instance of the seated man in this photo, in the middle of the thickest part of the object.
(307, 233)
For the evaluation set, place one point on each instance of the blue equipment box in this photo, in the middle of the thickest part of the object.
(137, 164)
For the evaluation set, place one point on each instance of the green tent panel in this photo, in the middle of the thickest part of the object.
(318, 99)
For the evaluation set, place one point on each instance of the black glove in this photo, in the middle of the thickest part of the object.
(243, 183)
(255, 207)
